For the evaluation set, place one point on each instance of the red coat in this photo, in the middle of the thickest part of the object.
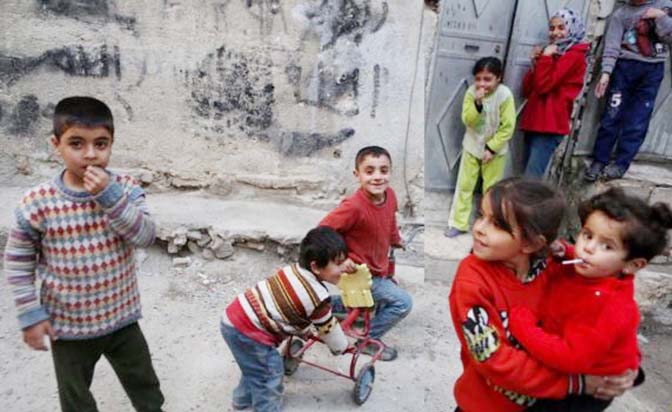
(589, 325)
(369, 230)
(550, 89)
(498, 374)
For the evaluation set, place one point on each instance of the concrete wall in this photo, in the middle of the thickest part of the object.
(239, 97)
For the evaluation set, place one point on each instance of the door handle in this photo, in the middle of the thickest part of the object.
(472, 47)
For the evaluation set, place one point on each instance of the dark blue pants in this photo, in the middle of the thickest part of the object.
(632, 93)
(539, 148)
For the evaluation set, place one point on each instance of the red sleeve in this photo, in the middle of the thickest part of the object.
(343, 218)
(576, 351)
(482, 334)
(395, 239)
(551, 73)
(528, 83)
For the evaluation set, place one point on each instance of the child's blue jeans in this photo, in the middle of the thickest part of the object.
(261, 370)
(630, 99)
(539, 148)
(392, 305)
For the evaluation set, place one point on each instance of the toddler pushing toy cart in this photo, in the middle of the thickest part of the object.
(356, 293)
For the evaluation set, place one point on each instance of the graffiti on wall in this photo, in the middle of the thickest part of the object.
(269, 14)
(297, 143)
(234, 88)
(89, 11)
(71, 60)
(333, 82)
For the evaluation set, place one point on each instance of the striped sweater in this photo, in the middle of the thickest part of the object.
(82, 249)
(287, 303)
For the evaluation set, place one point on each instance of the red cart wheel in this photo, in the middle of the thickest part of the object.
(364, 384)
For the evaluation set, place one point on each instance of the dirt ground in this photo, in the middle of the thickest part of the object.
(181, 312)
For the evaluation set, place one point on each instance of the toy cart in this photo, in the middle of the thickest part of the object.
(357, 298)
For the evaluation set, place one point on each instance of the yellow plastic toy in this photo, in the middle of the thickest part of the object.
(356, 288)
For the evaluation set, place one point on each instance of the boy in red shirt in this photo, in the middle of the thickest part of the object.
(590, 317)
(367, 222)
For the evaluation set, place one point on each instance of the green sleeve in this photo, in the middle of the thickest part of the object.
(507, 124)
(470, 114)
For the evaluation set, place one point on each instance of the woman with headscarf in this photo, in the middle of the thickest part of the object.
(550, 87)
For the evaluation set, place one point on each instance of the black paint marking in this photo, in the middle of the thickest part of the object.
(25, 115)
(353, 18)
(376, 90)
(74, 8)
(297, 144)
(90, 11)
(72, 60)
(235, 87)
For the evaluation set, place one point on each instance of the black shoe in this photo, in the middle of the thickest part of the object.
(612, 172)
(593, 172)
(389, 353)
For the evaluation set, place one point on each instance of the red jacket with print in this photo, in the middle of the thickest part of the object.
(498, 375)
(550, 88)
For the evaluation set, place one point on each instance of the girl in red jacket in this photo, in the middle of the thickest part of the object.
(509, 267)
(550, 87)
(589, 316)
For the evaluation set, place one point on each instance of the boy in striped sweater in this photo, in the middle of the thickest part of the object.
(285, 304)
(77, 234)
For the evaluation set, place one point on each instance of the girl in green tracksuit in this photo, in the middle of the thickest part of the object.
(489, 114)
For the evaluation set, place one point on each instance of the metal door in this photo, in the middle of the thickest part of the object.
(468, 30)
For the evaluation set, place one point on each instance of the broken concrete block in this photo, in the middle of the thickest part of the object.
(181, 262)
(194, 235)
(173, 248)
(193, 247)
(203, 241)
(221, 248)
(208, 254)
(250, 244)
(179, 236)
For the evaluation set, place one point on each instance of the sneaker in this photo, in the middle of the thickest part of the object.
(389, 353)
(237, 407)
(593, 172)
(612, 172)
(452, 232)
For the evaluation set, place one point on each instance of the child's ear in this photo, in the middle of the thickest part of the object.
(54, 142)
(536, 245)
(314, 268)
(633, 265)
(355, 172)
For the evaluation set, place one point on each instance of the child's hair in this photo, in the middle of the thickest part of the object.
(645, 227)
(321, 245)
(375, 151)
(83, 111)
(534, 206)
(491, 64)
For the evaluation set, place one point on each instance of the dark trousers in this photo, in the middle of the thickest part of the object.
(581, 403)
(127, 352)
(632, 93)
(539, 147)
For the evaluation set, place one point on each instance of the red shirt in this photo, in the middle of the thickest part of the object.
(550, 88)
(369, 230)
(589, 325)
(481, 298)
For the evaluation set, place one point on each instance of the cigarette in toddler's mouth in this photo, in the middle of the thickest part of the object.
(572, 262)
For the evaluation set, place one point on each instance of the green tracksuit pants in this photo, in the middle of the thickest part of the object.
(471, 167)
